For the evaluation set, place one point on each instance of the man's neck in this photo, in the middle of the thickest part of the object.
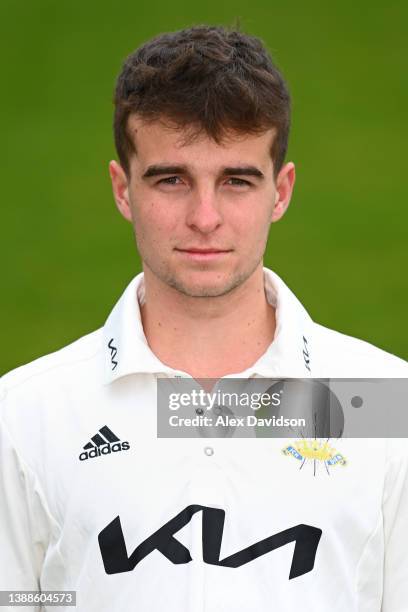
(209, 337)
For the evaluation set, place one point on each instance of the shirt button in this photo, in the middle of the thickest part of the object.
(208, 450)
(199, 411)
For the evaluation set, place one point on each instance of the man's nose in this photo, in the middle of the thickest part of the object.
(204, 211)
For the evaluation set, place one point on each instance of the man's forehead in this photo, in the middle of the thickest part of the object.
(151, 136)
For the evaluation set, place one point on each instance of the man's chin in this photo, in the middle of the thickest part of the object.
(216, 286)
(202, 283)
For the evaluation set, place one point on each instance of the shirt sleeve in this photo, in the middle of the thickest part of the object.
(395, 521)
(24, 521)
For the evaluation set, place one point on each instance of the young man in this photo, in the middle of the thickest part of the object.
(91, 499)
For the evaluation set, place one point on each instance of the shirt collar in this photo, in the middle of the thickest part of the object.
(289, 355)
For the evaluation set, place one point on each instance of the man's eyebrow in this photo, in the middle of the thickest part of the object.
(158, 169)
(243, 171)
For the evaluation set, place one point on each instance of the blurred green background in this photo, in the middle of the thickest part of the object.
(342, 246)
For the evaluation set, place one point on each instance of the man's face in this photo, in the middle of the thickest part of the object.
(201, 211)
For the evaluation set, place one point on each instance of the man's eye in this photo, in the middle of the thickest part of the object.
(171, 180)
(238, 182)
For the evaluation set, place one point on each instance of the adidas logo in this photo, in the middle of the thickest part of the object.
(103, 443)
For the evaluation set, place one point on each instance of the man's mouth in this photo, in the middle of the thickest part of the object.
(203, 251)
(207, 254)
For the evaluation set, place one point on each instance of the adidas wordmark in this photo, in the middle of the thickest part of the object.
(104, 442)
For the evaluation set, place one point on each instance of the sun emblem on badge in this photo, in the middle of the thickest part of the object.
(318, 451)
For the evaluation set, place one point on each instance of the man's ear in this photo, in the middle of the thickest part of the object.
(285, 182)
(120, 188)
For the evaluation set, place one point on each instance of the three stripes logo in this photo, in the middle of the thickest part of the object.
(104, 442)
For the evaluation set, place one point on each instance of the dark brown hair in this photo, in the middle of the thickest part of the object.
(206, 78)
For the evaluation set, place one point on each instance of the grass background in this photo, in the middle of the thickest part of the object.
(342, 246)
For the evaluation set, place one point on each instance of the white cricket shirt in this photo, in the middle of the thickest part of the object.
(92, 501)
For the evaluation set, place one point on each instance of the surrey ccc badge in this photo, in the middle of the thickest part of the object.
(315, 450)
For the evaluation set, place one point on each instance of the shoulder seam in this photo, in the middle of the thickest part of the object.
(29, 470)
(360, 345)
(48, 369)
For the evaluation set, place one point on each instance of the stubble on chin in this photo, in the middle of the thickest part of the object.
(203, 290)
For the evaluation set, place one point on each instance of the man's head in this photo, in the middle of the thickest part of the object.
(201, 129)
(207, 79)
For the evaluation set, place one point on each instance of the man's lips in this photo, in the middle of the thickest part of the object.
(208, 254)
(203, 251)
